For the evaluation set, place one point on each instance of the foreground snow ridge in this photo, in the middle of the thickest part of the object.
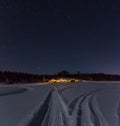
(82, 111)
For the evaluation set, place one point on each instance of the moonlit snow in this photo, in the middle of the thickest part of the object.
(62, 104)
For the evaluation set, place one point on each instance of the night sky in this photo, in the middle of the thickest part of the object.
(47, 36)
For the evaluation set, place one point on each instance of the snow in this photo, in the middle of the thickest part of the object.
(61, 104)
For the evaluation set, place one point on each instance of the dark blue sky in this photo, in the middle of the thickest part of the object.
(51, 35)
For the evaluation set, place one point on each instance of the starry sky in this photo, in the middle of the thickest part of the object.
(47, 36)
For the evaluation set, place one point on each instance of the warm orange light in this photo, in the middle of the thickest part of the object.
(61, 80)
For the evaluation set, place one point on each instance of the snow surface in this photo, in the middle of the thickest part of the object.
(71, 104)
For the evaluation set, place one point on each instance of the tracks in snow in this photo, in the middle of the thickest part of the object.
(85, 110)
(82, 111)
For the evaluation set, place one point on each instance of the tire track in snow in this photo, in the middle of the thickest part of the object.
(52, 112)
(85, 110)
(61, 110)
(82, 111)
(39, 115)
(96, 114)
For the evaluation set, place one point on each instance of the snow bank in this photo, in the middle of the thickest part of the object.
(11, 90)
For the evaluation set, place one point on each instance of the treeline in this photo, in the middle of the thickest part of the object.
(19, 77)
(86, 76)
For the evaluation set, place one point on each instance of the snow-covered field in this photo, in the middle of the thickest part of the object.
(73, 104)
